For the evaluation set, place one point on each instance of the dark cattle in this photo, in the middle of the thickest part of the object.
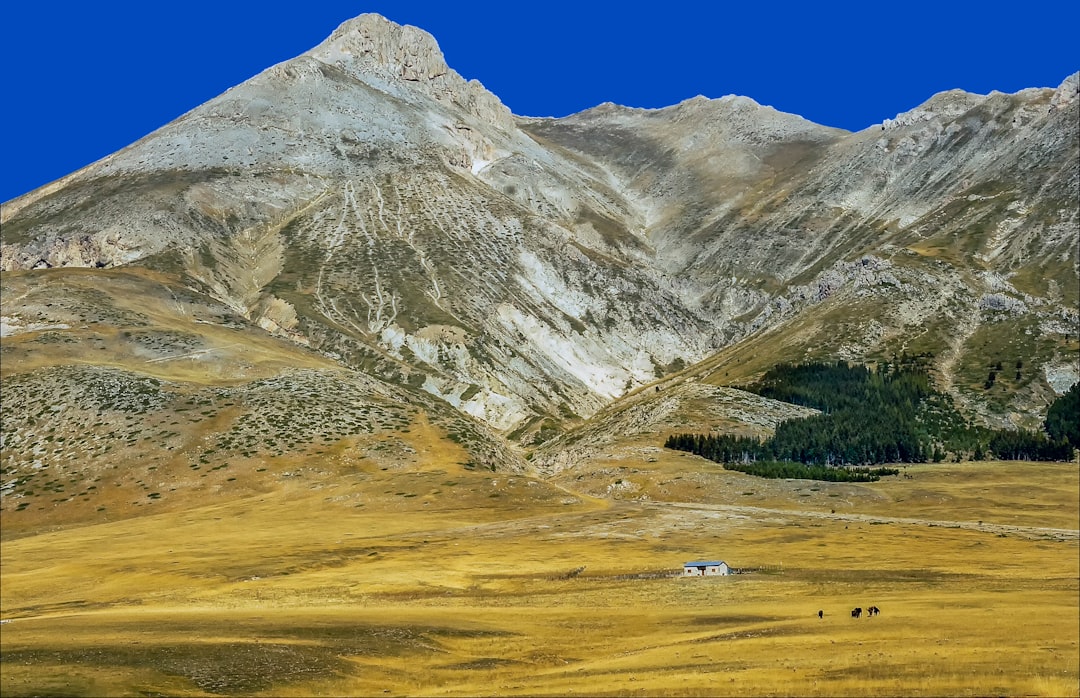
(856, 613)
(821, 614)
(873, 611)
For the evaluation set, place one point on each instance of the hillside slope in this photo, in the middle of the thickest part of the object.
(359, 242)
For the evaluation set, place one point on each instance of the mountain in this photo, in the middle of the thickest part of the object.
(358, 245)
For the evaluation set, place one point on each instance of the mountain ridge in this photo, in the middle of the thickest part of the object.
(367, 205)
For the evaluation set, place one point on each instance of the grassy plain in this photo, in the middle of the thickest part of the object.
(436, 580)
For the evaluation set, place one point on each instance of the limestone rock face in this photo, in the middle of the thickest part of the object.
(101, 250)
(372, 46)
(408, 52)
(1067, 93)
(366, 201)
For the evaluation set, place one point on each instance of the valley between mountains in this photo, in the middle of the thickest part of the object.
(351, 382)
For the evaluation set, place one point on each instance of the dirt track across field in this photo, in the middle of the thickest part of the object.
(1062, 534)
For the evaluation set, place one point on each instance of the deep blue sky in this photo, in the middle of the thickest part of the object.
(82, 80)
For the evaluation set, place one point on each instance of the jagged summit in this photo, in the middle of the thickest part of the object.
(371, 46)
(952, 104)
(372, 40)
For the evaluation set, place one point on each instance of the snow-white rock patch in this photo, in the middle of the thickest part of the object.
(1061, 377)
(10, 326)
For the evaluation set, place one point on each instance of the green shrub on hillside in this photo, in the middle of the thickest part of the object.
(1024, 444)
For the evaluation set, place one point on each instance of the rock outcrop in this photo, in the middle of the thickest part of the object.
(371, 46)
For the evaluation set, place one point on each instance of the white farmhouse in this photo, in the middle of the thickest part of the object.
(705, 568)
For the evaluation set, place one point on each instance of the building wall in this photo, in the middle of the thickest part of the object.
(710, 571)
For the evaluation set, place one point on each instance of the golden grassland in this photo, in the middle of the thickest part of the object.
(435, 580)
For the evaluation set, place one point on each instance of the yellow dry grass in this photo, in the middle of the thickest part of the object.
(441, 581)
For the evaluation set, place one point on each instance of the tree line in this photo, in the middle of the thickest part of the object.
(778, 469)
(1063, 417)
(869, 417)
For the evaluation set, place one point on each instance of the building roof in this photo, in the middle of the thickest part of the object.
(705, 563)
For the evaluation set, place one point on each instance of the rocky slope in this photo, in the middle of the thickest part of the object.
(369, 209)
(365, 200)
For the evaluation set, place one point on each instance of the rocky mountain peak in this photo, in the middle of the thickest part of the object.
(943, 106)
(371, 46)
(373, 41)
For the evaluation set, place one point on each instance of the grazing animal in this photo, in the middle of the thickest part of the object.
(873, 611)
(821, 614)
(856, 613)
